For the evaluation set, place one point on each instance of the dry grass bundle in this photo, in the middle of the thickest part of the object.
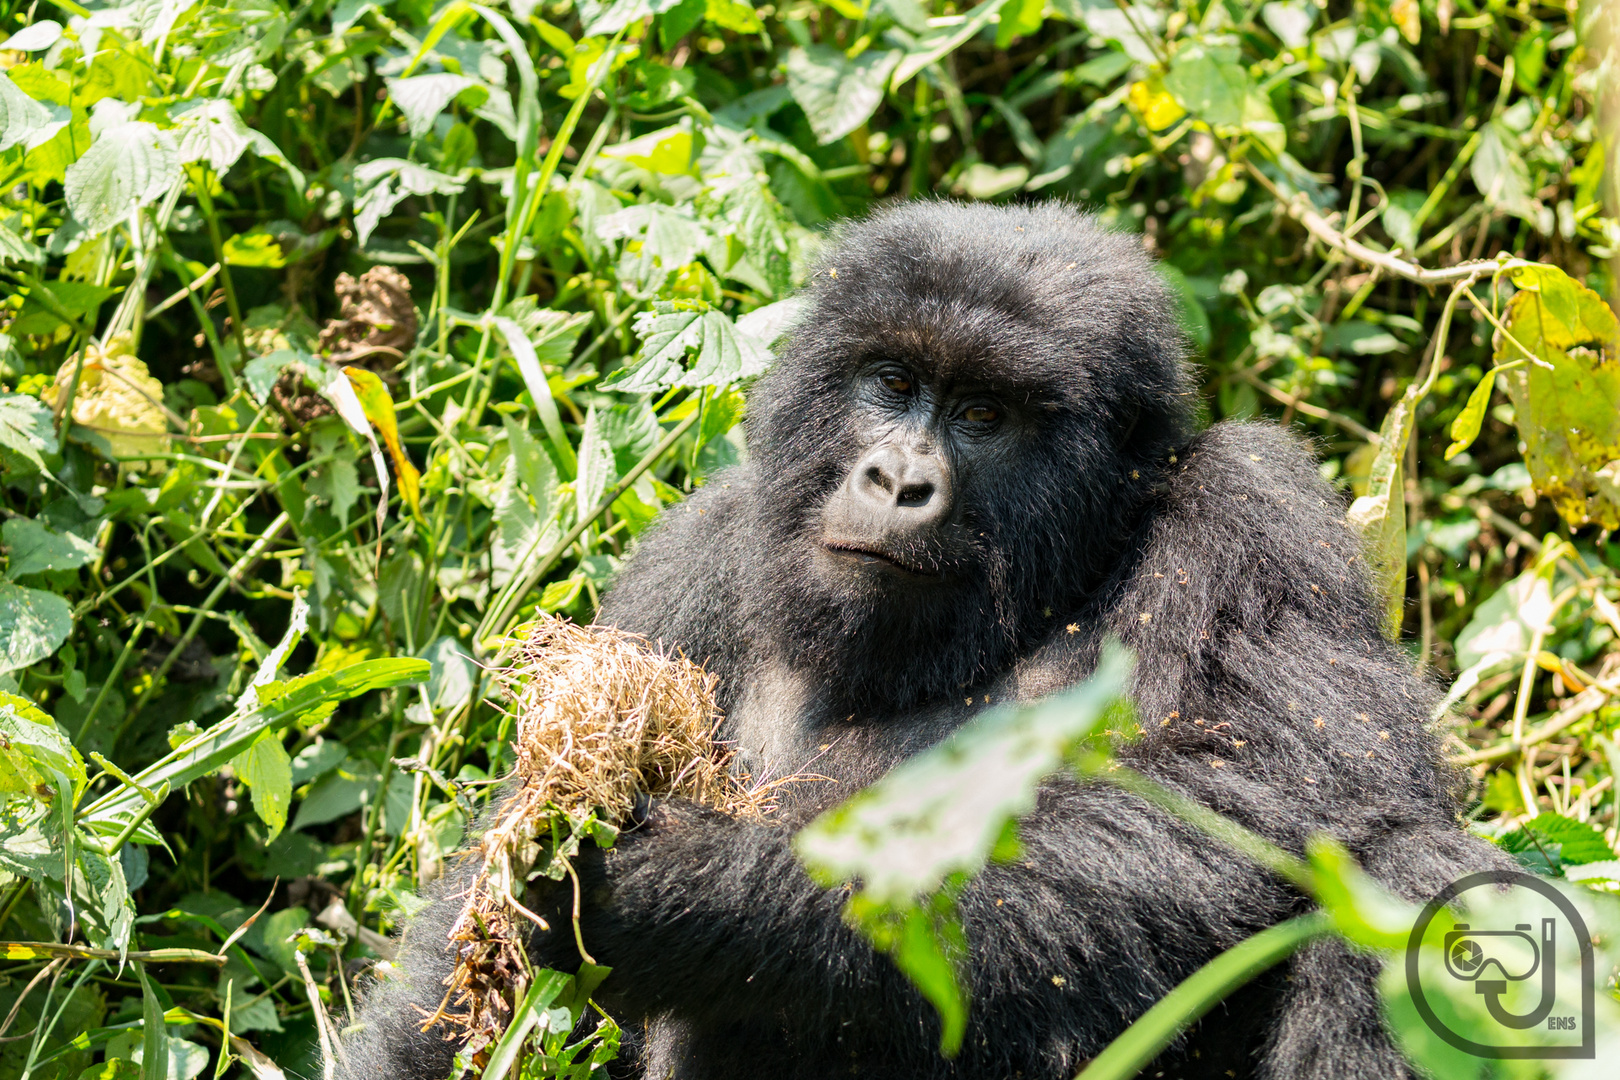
(601, 720)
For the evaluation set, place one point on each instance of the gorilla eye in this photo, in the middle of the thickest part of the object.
(981, 414)
(897, 381)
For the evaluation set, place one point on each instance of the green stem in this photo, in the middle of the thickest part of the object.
(1180, 1008)
(507, 605)
(205, 203)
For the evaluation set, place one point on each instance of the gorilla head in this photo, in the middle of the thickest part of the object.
(956, 436)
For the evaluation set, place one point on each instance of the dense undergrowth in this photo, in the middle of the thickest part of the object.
(339, 338)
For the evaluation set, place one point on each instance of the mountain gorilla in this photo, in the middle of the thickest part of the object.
(972, 463)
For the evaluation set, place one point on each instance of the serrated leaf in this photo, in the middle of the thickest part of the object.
(266, 768)
(128, 165)
(21, 117)
(1569, 416)
(670, 331)
(421, 98)
(384, 182)
(669, 240)
(26, 429)
(836, 93)
(33, 624)
(33, 751)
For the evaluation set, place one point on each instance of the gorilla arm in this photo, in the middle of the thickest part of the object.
(714, 921)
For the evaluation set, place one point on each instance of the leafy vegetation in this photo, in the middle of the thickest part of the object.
(339, 338)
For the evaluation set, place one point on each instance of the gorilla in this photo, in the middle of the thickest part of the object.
(974, 461)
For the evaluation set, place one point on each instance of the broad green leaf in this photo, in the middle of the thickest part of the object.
(211, 130)
(128, 165)
(673, 328)
(112, 913)
(1577, 841)
(21, 117)
(266, 768)
(909, 841)
(337, 794)
(33, 751)
(1291, 21)
(35, 549)
(379, 409)
(1568, 417)
(383, 182)
(836, 93)
(423, 97)
(943, 811)
(668, 150)
(1210, 88)
(26, 430)
(670, 239)
(1465, 428)
(1499, 172)
(32, 625)
(1019, 18)
(17, 249)
(930, 49)
(36, 36)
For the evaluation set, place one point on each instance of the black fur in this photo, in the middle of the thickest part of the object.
(1265, 687)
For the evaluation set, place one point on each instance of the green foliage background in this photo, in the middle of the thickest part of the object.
(600, 211)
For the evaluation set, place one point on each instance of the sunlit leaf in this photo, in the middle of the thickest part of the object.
(26, 430)
(379, 409)
(266, 769)
(21, 117)
(36, 549)
(33, 750)
(127, 166)
(1465, 428)
(423, 97)
(32, 625)
(1568, 417)
(836, 93)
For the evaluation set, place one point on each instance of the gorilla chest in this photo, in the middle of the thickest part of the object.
(781, 726)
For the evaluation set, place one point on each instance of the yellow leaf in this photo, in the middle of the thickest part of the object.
(117, 398)
(1155, 104)
(379, 409)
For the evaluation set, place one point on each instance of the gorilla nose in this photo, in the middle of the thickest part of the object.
(899, 478)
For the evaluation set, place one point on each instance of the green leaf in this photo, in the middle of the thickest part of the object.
(1465, 428)
(836, 93)
(383, 182)
(669, 239)
(547, 986)
(1569, 416)
(936, 46)
(423, 97)
(943, 811)
(33, 751)
(21, 117)
(1019, 18)
(1211, 89)
(301, 698)
(596, 467)
(32, 625)
(155, 1030)
(128, 165)
(266, 768)
(35, 549)
(1499, 172)
(26, 430)
(673, 328)
(1577, 841)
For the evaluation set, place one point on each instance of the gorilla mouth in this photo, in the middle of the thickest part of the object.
(866, 555)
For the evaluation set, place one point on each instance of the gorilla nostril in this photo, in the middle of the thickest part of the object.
(878, 478)
(915, 494)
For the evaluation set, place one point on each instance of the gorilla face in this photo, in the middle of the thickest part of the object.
(899, 519)
(955, 440)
